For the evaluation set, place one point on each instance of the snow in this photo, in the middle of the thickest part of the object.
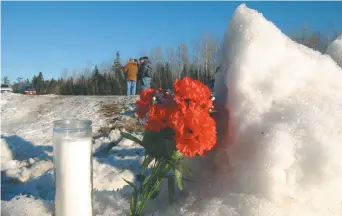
(6, 155)
(285, 101)
(114, 135)
(335, 50)
(26, 152)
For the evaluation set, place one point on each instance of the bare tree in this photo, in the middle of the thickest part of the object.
(197, 57)
(314, 39)
(181, 59)
(5, 80)
(184, 55)
(64, 73)
(171, 60)
(209, 45)
(75, 74)
(156, 57)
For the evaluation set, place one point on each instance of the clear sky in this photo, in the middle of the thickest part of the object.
(51, 36)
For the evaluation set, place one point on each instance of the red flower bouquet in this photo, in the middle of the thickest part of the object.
(176, 126)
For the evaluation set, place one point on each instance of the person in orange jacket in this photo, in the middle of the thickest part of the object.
(131, 72)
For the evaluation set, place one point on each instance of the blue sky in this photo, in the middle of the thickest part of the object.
(52, 36)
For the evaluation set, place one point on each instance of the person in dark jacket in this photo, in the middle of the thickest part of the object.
(145, 73)
(136, 61)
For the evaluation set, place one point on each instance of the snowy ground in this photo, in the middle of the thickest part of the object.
(285, 160)
(26, 144)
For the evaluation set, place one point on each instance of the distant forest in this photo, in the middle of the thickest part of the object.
(198, 60)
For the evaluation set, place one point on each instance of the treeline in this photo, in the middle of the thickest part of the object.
(198, 61)
(108, 82)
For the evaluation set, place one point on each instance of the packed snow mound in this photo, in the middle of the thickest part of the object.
(286, 106)
(335, 50)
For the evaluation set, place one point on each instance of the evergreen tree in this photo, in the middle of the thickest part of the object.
(96, 71)
(20, 85)
(5, 80)
(120, 83)
(34, 82)
(27, 82)
(40, 83)
(95, 80)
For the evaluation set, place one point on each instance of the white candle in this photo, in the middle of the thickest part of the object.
(73, 173)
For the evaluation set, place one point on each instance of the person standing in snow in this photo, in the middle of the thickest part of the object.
(131, 72)
(145, 73)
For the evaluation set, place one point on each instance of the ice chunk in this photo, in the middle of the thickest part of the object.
(115, 135)
(335, 50)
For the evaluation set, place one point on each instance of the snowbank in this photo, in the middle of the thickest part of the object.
(286, 104)
(335, 50)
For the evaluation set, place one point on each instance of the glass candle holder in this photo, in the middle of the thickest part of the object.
(72, 155)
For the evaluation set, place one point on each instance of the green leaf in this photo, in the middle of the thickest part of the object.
(141, 177)
(134, 199)
(171, 188)
(167, 133)
(131, 184)
(155, 188)
(157, 145)
(177, 155)
(155, 172)
(131, 137)
(148, 159)
(150, 142)
(165, 171)
(155, 195)
(133, 203)
(170, 147)
(148, 195)
(173, 164)
(179, 178)
(185, 168)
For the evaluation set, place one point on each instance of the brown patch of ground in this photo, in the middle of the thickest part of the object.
(113, 113)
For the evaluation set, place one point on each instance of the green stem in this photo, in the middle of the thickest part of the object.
(155, 171)
(150, 186)
(149, 194)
